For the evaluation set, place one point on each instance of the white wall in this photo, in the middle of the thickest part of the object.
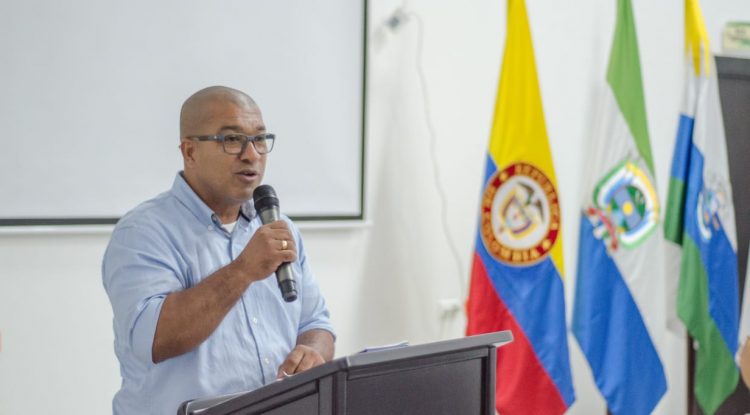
(384, 280)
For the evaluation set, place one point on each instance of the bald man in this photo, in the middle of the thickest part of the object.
(190, 273)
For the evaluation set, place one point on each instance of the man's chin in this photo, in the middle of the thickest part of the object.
(245, 193)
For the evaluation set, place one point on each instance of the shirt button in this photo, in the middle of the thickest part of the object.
(210, 227)
(268, 362)
(255, 320)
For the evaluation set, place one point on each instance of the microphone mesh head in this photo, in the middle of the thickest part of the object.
(265, 197)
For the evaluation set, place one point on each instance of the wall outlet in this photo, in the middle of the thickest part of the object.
(449, 307)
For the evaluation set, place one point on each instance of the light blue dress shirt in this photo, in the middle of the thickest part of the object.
(171, 243)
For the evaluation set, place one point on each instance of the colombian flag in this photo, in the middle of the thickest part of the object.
(516, 278)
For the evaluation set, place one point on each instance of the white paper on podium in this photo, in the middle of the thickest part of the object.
(391, 346)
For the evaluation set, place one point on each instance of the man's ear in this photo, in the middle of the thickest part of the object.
(187, 148)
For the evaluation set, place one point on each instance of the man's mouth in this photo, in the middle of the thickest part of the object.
(247, 174)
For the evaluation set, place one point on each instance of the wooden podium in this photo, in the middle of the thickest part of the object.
(446, 377)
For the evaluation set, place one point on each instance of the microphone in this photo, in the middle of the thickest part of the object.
(267, 206)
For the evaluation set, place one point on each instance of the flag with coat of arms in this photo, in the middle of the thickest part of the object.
(516, 277)
(700, 220)
(620, 242)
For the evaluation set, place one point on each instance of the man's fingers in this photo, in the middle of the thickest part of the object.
(309, 361)
(289, 367)
(280, 238)
(275, 233)
(284, 243)
(285, 249)
(300, 359)
(285, 236)
(289, 256)
(278, 224)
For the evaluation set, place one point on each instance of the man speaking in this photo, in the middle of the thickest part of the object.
(190, 273)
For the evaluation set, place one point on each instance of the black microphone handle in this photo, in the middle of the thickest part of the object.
(287, 283)
(284, 274)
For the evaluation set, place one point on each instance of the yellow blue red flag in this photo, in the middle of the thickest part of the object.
(516, 278)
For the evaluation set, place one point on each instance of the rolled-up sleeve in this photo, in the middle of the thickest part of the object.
(314, 313)
(138, 273)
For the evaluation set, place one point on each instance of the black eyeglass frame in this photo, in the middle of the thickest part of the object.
(269, 137)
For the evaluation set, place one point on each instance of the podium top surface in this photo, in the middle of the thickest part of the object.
(428, 349)
(359, 360)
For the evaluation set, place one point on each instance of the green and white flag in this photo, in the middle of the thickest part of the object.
(619, 261)
(700, 219)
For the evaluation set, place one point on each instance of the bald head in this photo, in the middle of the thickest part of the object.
(223, 179)
(200, 106)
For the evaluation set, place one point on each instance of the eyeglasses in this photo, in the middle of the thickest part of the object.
(236, 143)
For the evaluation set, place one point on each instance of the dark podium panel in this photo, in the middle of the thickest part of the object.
(447, 377)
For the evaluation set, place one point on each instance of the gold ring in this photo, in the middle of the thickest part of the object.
(284, 244)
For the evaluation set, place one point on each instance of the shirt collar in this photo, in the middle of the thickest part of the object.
(248, 210)
(185, 194)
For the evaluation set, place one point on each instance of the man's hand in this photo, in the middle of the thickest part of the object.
(745, 362)
(301, 358)
(270, 246)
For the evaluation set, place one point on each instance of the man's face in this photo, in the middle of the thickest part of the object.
(224, 180)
